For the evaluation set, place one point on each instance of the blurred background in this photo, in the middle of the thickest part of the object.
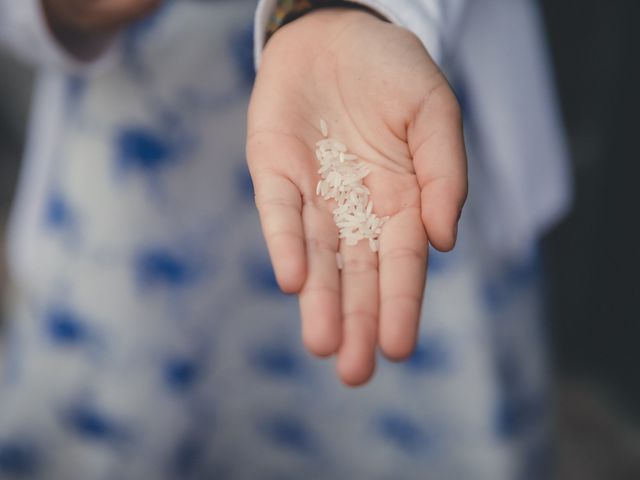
(592, 257)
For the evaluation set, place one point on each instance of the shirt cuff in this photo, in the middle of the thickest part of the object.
(404, 13)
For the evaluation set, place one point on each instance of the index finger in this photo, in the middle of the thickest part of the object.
(279, 204)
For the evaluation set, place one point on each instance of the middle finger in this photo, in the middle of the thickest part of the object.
(356, 357)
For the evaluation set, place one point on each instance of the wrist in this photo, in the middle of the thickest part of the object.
(288, 11)
(319, 34)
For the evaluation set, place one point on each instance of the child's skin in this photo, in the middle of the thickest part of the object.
(385, 98)
(382, 95)
(85, 27)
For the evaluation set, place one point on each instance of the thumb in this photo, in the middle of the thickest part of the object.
(436, 143)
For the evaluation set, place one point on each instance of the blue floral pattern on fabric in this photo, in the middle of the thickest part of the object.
(64, 327)
(154, 343)
(290, 433)
(18, 459)
(90, 423)
(403, 432)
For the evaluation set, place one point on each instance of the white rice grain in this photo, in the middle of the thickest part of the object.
(342, 180)
(323, 128)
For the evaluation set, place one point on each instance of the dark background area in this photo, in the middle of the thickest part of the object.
(593, 257)
(15, 87)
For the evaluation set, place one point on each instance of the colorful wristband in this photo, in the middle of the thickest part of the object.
(287, 11)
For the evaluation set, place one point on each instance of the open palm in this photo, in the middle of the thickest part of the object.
(382, 96)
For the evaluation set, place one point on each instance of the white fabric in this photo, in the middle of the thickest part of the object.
(158, 345)
(45, 126)
(24, 29)
(524, 186)
(430, 20)
(526, 183)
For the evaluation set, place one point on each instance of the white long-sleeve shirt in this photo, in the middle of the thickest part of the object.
(24, 30)
(433, 21)
(520, 182)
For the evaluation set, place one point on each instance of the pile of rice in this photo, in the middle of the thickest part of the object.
(342, 180)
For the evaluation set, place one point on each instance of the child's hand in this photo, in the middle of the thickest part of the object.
(383, 96)
(83, 27)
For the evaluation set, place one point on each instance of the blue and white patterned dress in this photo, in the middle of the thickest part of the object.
(154, 344)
